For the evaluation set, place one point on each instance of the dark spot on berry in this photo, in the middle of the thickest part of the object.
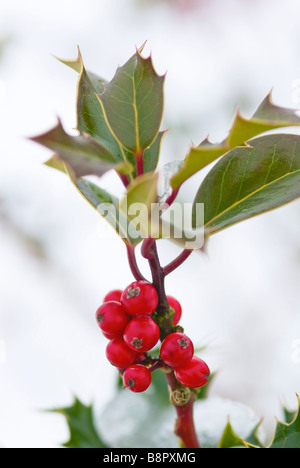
(100, 318)
(183, 343)
(137, 343)
(133, 292)
(130, 383)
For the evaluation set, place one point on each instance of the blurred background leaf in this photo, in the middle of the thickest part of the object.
(157, 419)
(81, 426)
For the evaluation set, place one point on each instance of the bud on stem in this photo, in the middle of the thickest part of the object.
(182, 399)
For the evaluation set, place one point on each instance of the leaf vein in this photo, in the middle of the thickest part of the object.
(249, 196)
(271, 164)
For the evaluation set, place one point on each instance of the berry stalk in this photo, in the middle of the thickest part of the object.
(139, 164)
(177, 261)
(133, 264)
(184, 426)
(158, 281)
(181, 397)
(135, 319)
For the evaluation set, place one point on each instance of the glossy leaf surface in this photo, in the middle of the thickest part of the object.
(83, 154)
(251, 180)
(133, 103)
(137, 203)
(83, 433)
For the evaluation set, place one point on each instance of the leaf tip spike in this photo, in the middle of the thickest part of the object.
(140, 49)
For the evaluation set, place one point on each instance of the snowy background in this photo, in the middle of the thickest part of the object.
(55, 262)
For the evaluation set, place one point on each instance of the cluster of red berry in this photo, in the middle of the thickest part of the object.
(125, 318)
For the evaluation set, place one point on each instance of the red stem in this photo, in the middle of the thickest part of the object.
(185, 428)
(177, 262)
(124, 179)
(158, 280)
(158, 364)
(139, 163)
(146, 249)
(133, 264)
(172, 197)
(147, 244)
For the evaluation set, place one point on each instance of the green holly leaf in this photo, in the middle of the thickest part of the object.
(83, 154)
(56, 163)
(83, 433)
(287, 435)
(150, 156)
(289, 416)
(197, 158)
(133, 103)
(268, 116)
(249, 181)
(159, 390)
(90, 117)
(136, 204)
(152, 411)
(231, 440)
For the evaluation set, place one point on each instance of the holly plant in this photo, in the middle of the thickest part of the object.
(119, 129)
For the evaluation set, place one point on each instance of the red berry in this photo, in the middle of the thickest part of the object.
(137, 378)
(194, 374)
(112, 318)
(141, 357)
(114, 295)
(119, 354)
(109, 336)
(177, 350)
(177, 309)
(139, 298)
(141, 334)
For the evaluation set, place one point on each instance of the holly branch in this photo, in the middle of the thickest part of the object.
(118, 124)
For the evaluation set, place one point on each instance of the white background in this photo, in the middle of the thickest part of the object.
(55, 263)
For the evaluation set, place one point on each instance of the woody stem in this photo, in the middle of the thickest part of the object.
(185, 428)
